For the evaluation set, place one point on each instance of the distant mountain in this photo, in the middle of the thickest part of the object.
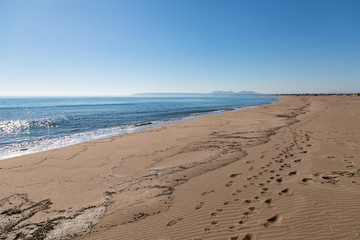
(194, 94)
(166, 94)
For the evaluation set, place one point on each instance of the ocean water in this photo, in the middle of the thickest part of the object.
(29, 125)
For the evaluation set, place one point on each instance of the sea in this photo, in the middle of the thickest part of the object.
(34, 124)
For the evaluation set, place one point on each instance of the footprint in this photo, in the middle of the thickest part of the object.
(297, 160)
(292, 173)
(173, 222)
(235, 175)
(285, 191)
(247, 237)
(305, 180)
(279, 180)
(271, 221)
(231, 227)
(329, 177)
(205, 193)
(201, 204)
(214, 222)
(229, 184)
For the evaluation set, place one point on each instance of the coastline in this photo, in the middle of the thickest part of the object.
(198, 178)
(50, 143)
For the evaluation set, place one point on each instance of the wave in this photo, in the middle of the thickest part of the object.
(15, 127)
(38, 145)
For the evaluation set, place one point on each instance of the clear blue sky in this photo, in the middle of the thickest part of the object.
(84, 47)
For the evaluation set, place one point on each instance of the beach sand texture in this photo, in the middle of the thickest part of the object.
(288, 170)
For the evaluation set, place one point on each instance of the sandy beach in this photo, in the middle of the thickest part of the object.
(288, 170)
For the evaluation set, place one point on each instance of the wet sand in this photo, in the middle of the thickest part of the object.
(288, 170)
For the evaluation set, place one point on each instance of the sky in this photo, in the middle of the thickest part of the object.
(121, 47)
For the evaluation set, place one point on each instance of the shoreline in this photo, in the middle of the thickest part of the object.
(228, 175)
(127, 129)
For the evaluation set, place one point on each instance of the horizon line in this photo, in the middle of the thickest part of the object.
(134, 94)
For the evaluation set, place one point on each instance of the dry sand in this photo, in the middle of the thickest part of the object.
(289, 170)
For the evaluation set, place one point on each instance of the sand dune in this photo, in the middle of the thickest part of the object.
(289, 170)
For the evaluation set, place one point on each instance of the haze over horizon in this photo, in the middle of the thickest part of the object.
(112, 48)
